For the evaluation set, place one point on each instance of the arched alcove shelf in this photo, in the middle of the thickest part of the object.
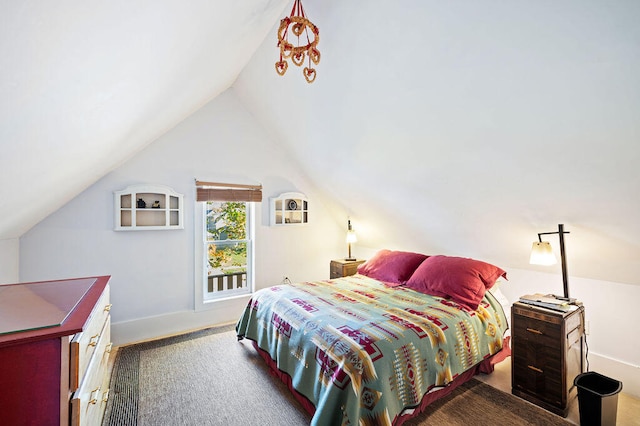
(147, 208)
(289, 208)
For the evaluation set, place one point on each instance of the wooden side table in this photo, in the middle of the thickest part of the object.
(547, 354)
(344, 268)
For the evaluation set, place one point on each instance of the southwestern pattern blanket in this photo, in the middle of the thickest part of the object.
(363, 352)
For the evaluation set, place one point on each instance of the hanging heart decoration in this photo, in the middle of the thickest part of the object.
(281, 67)
(309, 74)
(298, 58)
(298, 28)
(301, 28)
(314, 55)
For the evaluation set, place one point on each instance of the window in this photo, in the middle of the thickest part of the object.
(224, 240)
(228, 245)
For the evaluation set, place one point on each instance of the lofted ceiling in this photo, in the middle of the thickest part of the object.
(460, 128)
(86, 85)
(467, 127)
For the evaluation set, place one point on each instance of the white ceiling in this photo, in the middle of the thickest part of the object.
(467, 127)
(452, 127)
(85, 85)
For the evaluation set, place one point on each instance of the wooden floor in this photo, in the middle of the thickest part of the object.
(628, 406)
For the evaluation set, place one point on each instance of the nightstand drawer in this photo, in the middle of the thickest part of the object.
(336, 270)
(344, 268)
(574, 322)
(537, 369)
(538, 332)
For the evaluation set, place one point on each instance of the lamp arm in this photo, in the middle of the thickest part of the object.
(565, 277)
(563, 258)
(551, 233)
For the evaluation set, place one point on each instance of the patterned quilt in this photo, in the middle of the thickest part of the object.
(362, 352)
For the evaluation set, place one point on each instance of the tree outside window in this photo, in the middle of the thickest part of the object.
(226, 229)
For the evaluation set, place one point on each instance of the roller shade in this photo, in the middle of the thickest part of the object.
(215, 191)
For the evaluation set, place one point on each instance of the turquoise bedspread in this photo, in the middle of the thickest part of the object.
(362, 352)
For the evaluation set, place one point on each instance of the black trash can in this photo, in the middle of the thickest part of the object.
(597, 398)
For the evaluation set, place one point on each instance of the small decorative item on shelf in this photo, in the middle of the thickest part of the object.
(141, 203)
(156, 204)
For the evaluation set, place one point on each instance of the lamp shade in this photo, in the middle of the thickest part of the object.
(542, 254)
(351, 236)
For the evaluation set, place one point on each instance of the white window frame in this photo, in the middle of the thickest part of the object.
(203, 299)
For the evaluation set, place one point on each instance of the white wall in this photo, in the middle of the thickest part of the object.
(9, 256)
(153, 271)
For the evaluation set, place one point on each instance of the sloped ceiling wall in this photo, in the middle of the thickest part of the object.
(86, 85)
(461, 127)
(466, 128)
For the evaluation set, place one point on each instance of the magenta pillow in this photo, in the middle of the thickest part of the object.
(462, 279)
(392, 267)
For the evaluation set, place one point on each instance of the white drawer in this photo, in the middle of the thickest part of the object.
(84, 344)
(89, 401)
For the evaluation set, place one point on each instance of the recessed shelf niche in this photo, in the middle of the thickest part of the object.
(147, 208)
(289, 208)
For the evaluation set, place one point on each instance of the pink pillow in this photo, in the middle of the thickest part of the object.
(392, 267)
(461, 279)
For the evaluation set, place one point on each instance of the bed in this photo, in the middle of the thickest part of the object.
(377, 347)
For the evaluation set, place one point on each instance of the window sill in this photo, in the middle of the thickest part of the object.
(215, 302)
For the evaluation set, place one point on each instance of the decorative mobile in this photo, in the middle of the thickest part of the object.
(301, 27)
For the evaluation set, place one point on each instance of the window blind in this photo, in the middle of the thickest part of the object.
(215, 191)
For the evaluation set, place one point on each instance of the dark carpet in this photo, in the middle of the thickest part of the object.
(207, 377)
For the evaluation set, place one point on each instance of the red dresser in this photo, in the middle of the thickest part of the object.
(54, 350)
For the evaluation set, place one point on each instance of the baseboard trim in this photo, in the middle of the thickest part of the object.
(148, 328)
(627, 373)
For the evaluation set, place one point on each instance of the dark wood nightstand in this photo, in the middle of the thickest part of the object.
(344, 268)
(547, 354)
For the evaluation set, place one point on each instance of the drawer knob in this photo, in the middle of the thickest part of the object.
(107, 350)
(93, 398)
(94, 340)
(105, 396)
(107, 308)
(534, 331)
(536, 369)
